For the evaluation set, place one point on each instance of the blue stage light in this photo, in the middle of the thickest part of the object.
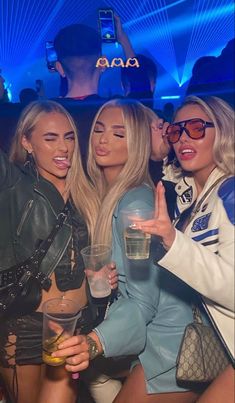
(170, 97)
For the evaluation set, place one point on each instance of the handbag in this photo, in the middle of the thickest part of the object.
(21, 285)
(201, 357)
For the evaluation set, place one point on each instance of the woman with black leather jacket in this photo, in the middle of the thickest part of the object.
(44, 173)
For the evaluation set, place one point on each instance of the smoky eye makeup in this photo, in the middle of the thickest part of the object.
(99, 127)
(50, 136)
(70, 136)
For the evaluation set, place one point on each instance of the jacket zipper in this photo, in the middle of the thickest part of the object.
(24, 216)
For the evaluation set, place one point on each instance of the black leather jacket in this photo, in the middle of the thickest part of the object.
(29, 206)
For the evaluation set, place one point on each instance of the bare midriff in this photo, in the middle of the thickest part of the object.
(78, 295)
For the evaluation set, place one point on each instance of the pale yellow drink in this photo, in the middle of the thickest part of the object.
(59, 321)
(49, 346)
(136, 244)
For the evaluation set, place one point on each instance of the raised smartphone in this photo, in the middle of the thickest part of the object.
(51, 56)
(107, 25)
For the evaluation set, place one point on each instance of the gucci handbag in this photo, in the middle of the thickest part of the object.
(201, 357)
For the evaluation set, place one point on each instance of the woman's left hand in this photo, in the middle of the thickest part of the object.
(113, 275)
(108, 270)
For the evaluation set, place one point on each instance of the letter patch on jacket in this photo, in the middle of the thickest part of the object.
(201, 223)
(187, 196)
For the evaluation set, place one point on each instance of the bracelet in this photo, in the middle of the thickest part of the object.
(92, 348)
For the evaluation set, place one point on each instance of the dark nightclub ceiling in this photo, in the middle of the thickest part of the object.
(173, 33)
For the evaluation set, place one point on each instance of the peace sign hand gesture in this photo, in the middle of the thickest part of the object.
(160, 225)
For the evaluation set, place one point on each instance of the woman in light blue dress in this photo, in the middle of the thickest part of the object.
(153, 307)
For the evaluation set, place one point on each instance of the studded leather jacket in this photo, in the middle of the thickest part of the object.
(29, 205)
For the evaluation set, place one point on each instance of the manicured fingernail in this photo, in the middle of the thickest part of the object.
(75, 375)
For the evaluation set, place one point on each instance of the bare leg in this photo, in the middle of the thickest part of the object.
(221, 390)
(134, 391)
(28, 379)
(58, 386)
(22, 381)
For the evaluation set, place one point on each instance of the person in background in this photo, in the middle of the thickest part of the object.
(152, 308)
(201, 72)
(44, 173)
(39, 87)
(215, 76)
(202, 136)
(27, 95)
(139, 83)
(63, 86)
(78, 48)
(168, 111)
(3, 92)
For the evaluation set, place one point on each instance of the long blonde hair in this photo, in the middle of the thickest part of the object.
(222, 115)
(78, 187)
(135, 171)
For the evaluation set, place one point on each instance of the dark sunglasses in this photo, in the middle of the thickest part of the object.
(194, 128)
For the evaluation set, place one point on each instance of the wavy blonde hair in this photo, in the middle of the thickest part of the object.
(222, 115)
(135, 171)
(78, 187)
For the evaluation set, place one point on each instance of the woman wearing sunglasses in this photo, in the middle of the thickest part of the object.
(199, 247)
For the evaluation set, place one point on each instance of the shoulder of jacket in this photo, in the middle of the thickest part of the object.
(143, 193)
(226, 193)
(140, 192)
(227, 187)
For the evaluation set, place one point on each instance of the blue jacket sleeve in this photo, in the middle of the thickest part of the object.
(123, 332)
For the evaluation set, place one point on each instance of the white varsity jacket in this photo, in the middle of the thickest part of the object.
(203, 256)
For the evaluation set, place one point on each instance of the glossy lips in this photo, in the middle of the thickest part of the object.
(101, 152)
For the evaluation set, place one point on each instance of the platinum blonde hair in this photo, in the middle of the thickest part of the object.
(137, 122)
(77, 185)
(222, 115)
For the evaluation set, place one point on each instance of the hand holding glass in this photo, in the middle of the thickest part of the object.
(137, 243)
(59, 321)
(96, 258)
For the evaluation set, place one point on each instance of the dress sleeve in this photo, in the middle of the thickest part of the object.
(124, 330)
